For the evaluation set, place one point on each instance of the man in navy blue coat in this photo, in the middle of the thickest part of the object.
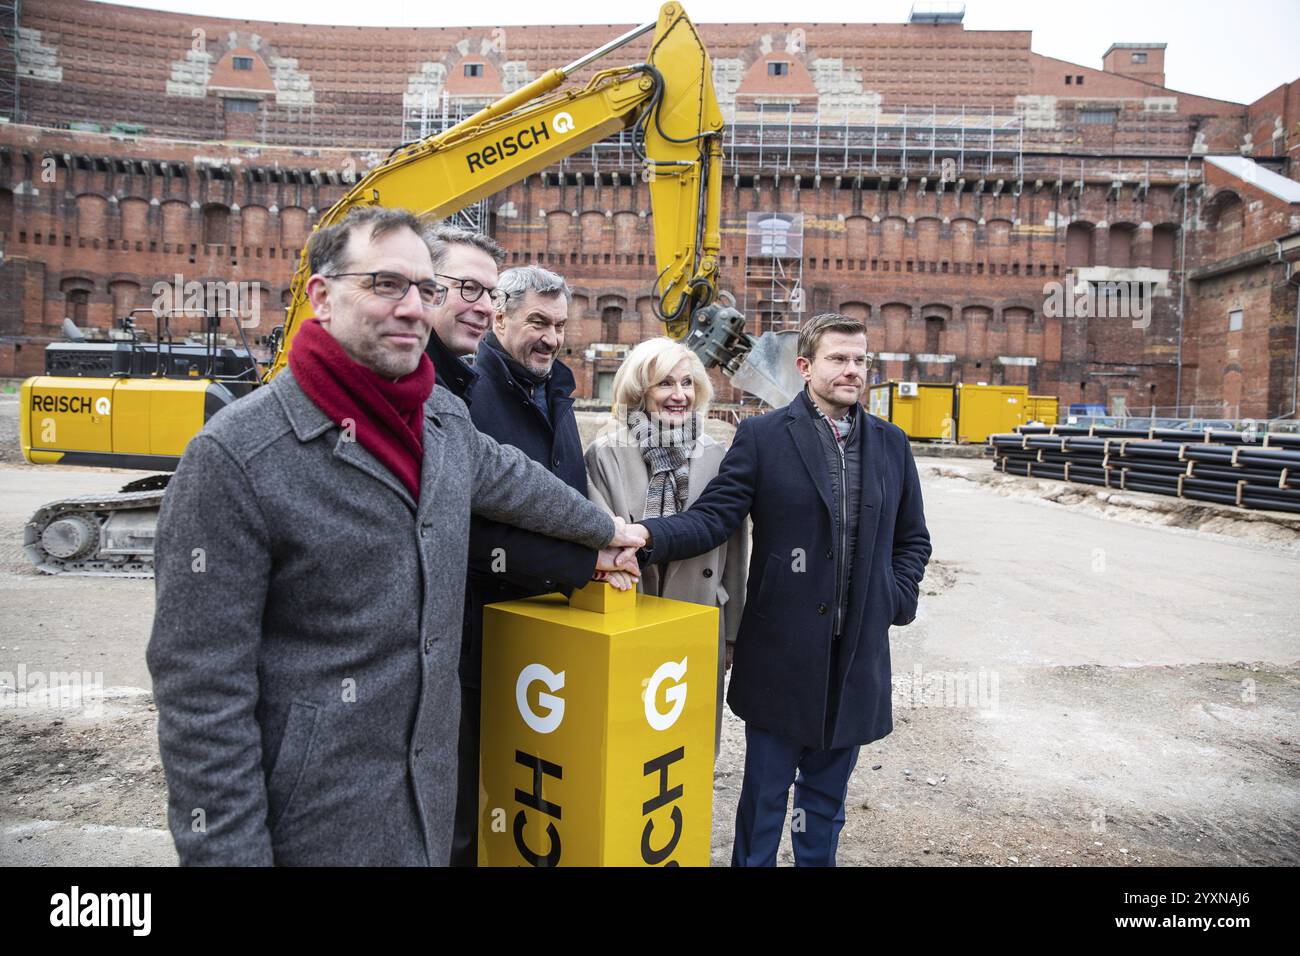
(523, 396)
(839, 549)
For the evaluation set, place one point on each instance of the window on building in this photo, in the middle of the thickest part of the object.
(605, 386)
(1139, 57)
(216, 225)
(79, 306)
(1098, 117)
(1234, 320)
(1069, 80)
(1078, 80)
(778, 68)
(241, 106)
(473, 69)
(1079, 245)
(611, 318)
(774, 236)
(243, 62)
(1163, 240)
(933, 330)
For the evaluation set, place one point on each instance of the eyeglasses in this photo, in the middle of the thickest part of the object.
(393, 285)
(472, 291)
(860, 362)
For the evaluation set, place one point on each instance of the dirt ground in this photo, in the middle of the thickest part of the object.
(1129, 680)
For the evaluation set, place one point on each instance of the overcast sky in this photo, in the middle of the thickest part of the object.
(1236, 50)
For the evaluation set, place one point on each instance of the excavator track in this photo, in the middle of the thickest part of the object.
(96, 535)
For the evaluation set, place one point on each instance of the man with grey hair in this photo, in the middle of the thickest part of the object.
(522, 397)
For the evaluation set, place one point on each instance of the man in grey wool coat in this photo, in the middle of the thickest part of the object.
(310, 574)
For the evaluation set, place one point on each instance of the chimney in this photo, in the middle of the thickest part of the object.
(1138, 61)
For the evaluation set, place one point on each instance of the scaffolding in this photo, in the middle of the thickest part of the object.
(426, 115)
(935, 147)
(765, 135)
(799, 135)
(10, 67)
(773, 293)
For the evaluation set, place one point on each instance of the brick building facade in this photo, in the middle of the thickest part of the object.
(148, 145)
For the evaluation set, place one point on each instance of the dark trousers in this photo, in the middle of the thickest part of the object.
(464, 838)
(821, 782)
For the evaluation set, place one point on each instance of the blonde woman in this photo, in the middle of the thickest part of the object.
(653, 461)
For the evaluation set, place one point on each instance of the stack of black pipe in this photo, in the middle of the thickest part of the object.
(1246, 469)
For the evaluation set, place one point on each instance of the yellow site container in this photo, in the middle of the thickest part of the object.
(1042, 408)
(925, 413)
(597, 741)
(984, 410)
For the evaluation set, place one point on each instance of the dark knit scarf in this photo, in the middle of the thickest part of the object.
(531, 382)
(667, 450)
(388, 415)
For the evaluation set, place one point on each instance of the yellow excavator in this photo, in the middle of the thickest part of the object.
(136, 404)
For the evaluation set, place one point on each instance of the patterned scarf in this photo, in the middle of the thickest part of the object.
(667, 452)
(840, 427)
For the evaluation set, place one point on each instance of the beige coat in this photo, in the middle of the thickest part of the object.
(618, 479)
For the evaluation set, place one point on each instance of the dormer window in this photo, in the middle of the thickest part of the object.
(243, 62)
(1139, 58)
(778, 68)
(473, 69)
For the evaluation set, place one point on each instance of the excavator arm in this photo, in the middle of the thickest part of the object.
(670, 104)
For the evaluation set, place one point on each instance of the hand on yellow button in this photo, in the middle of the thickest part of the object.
(619, 566)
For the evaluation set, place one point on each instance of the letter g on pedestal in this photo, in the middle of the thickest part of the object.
(675, 695)
(547, 722)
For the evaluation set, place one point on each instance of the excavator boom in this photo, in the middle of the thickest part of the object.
(668, 100)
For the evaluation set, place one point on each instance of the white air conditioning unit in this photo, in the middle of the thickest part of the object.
(907, 390)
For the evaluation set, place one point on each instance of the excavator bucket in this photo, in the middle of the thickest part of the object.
(768, 370)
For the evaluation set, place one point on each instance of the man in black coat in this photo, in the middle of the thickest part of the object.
(840, 547)
(520, 395)
(467, 262)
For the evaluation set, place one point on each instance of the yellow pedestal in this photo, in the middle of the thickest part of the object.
(597, 740)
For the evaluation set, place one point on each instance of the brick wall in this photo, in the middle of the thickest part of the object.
(963, 269)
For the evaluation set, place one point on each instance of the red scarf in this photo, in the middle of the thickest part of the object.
(388, 416)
